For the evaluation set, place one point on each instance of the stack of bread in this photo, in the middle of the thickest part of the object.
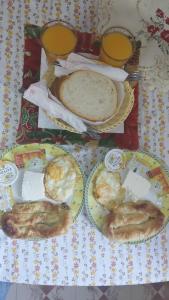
(92, 96)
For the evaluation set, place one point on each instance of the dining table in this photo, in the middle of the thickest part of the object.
(84, 256)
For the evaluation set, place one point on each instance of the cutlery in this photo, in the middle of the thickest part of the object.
(134, 76)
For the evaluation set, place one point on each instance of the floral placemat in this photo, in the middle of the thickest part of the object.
(28, 131)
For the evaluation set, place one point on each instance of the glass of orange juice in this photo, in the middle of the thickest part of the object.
(58, 39)
(117, 46)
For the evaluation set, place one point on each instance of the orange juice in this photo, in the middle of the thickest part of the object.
(116, 49)
(58, 40)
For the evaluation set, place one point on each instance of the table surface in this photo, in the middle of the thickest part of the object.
(84, 256)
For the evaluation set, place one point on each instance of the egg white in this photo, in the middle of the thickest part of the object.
(60, 177)
(107, 188)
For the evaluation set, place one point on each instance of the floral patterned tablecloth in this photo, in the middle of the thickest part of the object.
(84, 256)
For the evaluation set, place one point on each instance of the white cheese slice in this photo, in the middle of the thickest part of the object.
(33, 187)
(136, 184)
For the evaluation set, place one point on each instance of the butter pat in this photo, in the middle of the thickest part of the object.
(33, 187)
(136, 184)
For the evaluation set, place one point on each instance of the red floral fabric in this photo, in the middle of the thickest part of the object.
(158, 29)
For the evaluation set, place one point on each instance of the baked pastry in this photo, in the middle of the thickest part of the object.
(133, 221)
(89, 95)
(40, 219)
(107, 188)
(59, 179)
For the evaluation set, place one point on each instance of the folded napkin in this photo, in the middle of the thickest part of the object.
(76, 62)
(38, 94)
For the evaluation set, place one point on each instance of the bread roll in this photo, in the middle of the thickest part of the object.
(133, 221)
(90, 95)
(39, 219)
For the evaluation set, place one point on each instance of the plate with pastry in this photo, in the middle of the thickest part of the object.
(36, 220)
(46, 175)
(127, 196)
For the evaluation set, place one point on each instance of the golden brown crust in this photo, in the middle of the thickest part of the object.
(55, 87)
(39, 219)
(133, 221)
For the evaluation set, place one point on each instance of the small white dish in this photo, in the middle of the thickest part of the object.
(8, 173)
(114, 160)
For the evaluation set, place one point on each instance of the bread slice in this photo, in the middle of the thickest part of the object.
(90, 95)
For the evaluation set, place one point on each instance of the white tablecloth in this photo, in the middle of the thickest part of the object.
(84, 256)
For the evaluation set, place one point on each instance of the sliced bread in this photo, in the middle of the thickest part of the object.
(90, 95)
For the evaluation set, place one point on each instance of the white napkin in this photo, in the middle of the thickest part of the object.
(45, 122)
(76, 62)
(38, 94)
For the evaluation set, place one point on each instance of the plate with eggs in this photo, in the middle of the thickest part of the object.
(46, 194)
(127, 196)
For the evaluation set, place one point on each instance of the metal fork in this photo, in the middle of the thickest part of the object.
(134, 76)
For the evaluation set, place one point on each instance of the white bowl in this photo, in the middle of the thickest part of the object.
(8, 173)
(114, 160)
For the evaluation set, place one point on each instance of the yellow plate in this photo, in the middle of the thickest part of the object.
(144, 163)
(116, 120)
(52, 151)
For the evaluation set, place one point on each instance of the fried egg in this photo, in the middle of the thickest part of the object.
(107, 188)
(59, 180)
